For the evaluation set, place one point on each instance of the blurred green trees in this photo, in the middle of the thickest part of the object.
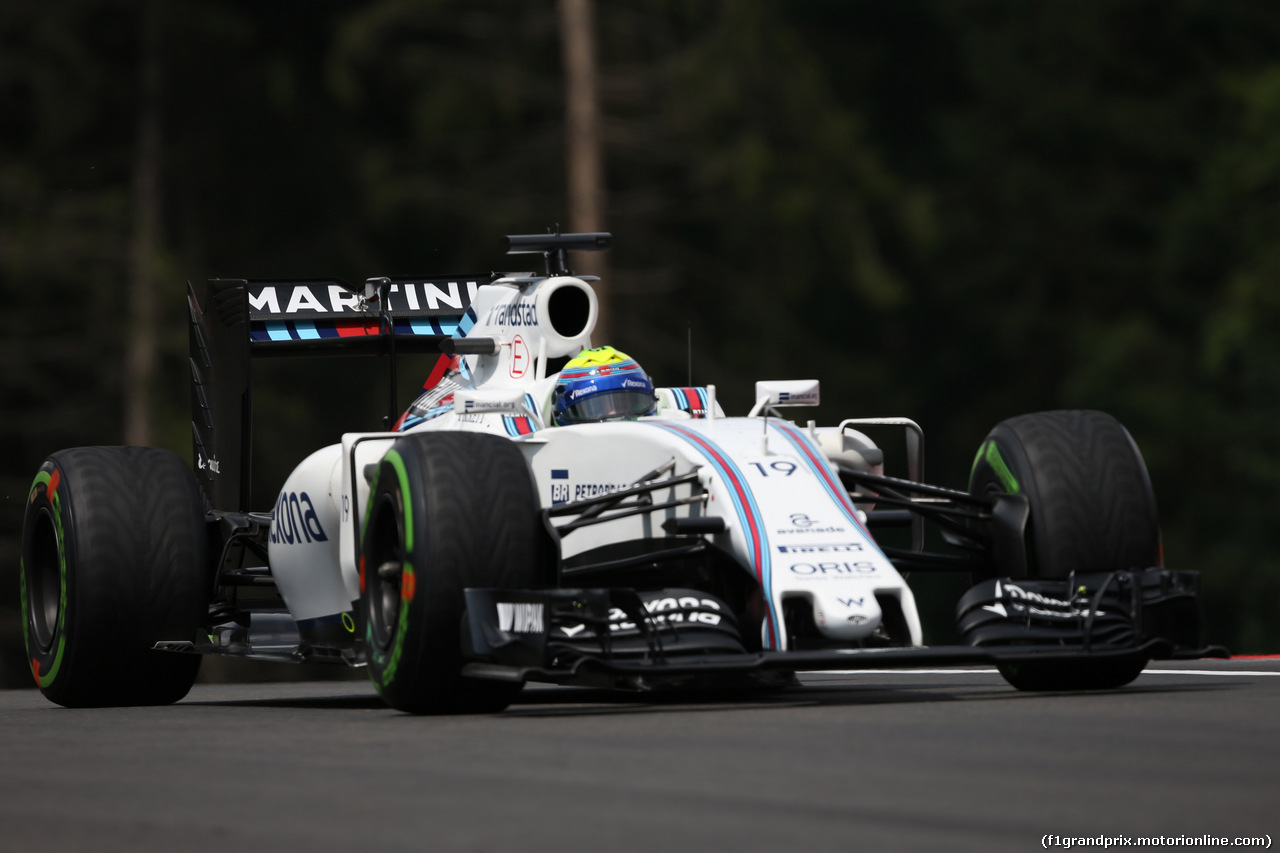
(956, 211)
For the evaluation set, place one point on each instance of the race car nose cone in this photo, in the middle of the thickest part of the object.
(847, 613)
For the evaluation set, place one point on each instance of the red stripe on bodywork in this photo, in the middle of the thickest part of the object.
(437, 372)
(740, 490)
(355, 328)
(820, 465)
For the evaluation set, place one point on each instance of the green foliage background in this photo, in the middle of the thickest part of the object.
(956, 211)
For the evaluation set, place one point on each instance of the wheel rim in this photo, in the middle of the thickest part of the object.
(386, 561)
(44, 579)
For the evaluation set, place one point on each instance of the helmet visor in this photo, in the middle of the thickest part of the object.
(611, 406)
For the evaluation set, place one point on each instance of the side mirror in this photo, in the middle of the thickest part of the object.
(490, 402)
(792, 392)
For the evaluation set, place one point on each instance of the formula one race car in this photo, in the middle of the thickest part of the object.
(504, 531)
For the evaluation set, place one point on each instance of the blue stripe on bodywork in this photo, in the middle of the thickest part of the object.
(749, 517)
(277, 331)
(817, 462)
(512, 422)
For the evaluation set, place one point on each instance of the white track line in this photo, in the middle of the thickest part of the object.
(993, 671)
(1207, 672)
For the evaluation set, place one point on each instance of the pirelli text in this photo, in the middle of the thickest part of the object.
(1109, 841)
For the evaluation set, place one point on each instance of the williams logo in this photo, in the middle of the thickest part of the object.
(519, 617)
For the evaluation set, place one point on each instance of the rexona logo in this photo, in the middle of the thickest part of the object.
(294, 521)
(820, 549)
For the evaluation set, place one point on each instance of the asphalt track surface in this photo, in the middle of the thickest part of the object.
(920, 760)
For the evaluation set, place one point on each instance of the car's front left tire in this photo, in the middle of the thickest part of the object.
(447, 511)
(1092, 508)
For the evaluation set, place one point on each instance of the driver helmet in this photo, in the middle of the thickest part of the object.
(602, 384)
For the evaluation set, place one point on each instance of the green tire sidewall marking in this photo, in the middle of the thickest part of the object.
(368, 507)
(393, 663)
(45, 679)
(997, 463)
(390, 663)
(402, 474)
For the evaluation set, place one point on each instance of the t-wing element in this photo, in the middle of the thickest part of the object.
(470, 346)
(555, 247)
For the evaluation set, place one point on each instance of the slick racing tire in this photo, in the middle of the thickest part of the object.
(446, 511)
(113, 561)
(1091, 504)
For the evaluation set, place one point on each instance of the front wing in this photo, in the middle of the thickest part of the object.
(620, 638)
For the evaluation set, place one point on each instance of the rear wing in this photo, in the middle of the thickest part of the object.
(234, 321)
(325, 315)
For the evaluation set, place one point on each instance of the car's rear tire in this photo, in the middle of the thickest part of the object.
(1091, 504)
(446, 511)
(113, 561)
